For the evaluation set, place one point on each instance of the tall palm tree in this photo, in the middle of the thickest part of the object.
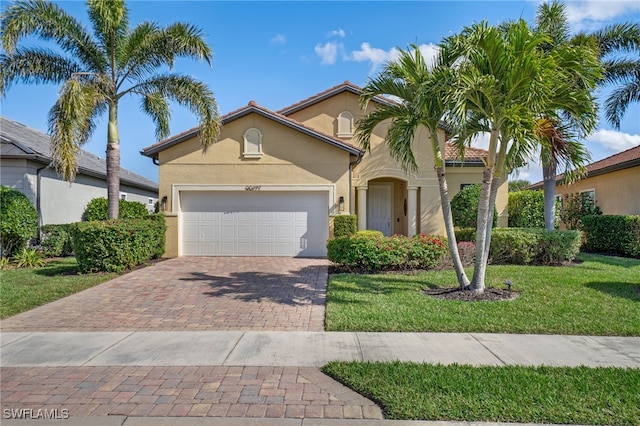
(503, 82)
(573, 110)
(619, 50)
(420, 90)
(97, 69)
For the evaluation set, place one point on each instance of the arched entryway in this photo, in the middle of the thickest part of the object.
(388, 205)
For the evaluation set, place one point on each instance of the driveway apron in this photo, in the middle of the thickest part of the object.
(191, 294)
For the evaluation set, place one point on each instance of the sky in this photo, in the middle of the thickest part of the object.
(278, 53)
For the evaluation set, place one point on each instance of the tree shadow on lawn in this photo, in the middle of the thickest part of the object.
(294, 288)
(623, 262)
(618, 289)
(58, 268)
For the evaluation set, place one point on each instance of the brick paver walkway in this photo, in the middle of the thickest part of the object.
(271, 392)
(194, 293)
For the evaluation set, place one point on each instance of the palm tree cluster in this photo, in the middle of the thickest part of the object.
(530, 88)
(97, 68)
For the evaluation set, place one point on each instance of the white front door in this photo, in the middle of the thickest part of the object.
(379, 209)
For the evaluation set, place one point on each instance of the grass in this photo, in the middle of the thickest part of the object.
(602, 396)
(27, 288)
(599, 296)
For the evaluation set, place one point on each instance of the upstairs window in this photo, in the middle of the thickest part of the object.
(345, 124)
(252, 143)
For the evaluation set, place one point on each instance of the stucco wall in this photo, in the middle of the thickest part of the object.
(617, 193)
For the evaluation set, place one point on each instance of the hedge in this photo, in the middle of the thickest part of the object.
(116, 245)
(371, 251)
(345, 225)
(97, 209)
(56, 240)
(529, 246)
(526, 209)
(464, 207)
(612, 234)
(18, 221)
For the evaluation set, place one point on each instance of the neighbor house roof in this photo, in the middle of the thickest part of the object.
(619, 161)
(20, 141)
(252, 107)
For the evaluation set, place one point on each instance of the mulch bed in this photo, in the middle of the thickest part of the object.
(489, 294)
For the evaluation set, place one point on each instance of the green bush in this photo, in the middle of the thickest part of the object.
(575, 207)
(464, 207)
(613, 234)
(18, 221)
(116, 245)
(56, 240)
(29, 258)
(526, 209)
(97, 209)
(529, 246)
(345, 225)
(371, 251)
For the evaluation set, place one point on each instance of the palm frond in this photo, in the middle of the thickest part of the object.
(110, 22)
(618, 101)
(621, 37)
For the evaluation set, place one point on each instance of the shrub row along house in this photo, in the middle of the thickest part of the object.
(25, 165)
(613, 183)
(274, 180)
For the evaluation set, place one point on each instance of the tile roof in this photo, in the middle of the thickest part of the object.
(621, 160)
(472, 155)
(29, 142)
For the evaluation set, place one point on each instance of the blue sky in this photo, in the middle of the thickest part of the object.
(277, 53)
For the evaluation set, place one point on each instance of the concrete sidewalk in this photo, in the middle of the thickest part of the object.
(310, 349)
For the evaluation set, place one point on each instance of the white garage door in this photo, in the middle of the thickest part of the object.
(244, 223)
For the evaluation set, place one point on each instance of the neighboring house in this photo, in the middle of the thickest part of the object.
(613, 183)
(25, 165)
(273, 181)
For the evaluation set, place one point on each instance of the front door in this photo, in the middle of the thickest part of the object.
(379, 209)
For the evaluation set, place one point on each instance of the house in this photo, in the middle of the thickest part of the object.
(274, 180)
(25, 165)
(613, 183)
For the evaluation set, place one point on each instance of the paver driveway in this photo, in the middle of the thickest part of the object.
(194, 293)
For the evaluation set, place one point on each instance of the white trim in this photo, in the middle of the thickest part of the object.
(247, 154)
(345, 116)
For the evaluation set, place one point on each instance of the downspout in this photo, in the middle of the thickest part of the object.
(352, 198)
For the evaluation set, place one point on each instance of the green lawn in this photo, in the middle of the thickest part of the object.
(24, 289)
(599, 296)
(601, 396)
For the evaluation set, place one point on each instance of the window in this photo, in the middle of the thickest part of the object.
(123, 196)
(252, 143)
(590, 195)
(345, 124)
(464, 185)
(150, 201)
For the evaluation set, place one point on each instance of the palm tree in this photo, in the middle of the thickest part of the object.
(573, 110)
(97, 69)
(619, 50)
(502, 86)
(420, 91)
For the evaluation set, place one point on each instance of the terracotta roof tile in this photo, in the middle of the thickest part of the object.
(470, 153)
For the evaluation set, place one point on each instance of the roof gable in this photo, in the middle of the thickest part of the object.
(21, 141)
(252, 107)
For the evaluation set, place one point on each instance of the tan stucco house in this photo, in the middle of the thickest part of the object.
(274, 180)
(613, 183)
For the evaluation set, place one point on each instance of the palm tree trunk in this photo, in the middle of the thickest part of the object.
(495, 184)
(549, 191)
(477, 283)
(113, 162)
(451, 235)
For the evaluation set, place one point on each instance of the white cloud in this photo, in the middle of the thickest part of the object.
(614, 141)
(481, 140)
(327, 52)
(589, 14)
(378, 57)
(279, 39)
(336, 33)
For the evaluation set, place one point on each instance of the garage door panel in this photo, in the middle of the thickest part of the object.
(254, 224)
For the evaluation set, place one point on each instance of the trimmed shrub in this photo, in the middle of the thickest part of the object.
(18, 221)
(525, 246)
(526, 209)
(467, 251)
(56, 240)
(97, 209)
(575, 207)
(116, 245)
(371, 251)
(529, 246)
(612, 234)
(464, 207)
(345, 225)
